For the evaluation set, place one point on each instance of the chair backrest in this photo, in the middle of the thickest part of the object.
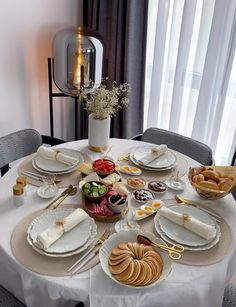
(17, 145)
(190, 147)
(229, 296)
(8, 299)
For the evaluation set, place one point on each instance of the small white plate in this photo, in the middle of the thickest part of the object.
(181, 234)
(166, 160)
(130, 170)
(131, 236)
(53, 166)
(70, 240)
(47, 192)
(146, 212)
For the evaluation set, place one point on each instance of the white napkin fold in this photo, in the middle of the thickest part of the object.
(154, 154)
(51, 154)
(189, 222)
(53, 233)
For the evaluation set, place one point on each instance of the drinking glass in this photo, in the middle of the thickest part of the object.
(49, 187)
(175, 182)
(128, 220)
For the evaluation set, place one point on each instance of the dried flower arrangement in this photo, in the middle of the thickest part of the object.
(103, 102)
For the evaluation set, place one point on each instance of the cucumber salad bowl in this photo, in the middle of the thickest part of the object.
(94, 190)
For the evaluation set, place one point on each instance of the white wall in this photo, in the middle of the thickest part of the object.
(26, 33)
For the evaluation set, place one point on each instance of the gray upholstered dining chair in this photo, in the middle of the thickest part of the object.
(21, 143)
(229, 296)
(190, 147)
(9, 300)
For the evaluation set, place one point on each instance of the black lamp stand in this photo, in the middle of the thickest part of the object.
(51, 95)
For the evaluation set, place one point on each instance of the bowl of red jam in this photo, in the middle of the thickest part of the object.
(103, 167)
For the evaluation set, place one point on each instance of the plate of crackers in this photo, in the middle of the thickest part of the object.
(132, 264)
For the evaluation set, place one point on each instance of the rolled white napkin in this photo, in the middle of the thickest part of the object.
(51, 154)
(189, 222)
(53, 233)
(154, 154)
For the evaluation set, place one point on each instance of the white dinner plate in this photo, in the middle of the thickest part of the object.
(186, 247)
(54, 166)
(151, 168)
(181, 234)
(67, 254)
(164, 162)
(131, 236)
(70, 240)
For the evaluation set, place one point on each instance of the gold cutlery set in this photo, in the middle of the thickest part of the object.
(70, 191)
(90, 253)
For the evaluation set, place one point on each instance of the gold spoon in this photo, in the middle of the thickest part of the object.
(174, 250)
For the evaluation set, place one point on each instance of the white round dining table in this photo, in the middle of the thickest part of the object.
(186, 285)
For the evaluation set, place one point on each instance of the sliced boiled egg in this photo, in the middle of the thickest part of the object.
(147, 209)
(131, 170)
(157, 204)
(139, 214)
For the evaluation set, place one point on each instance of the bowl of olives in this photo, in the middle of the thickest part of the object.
(117, 203)
(94, 190)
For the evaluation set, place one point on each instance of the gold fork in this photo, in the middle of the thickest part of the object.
(100, 240)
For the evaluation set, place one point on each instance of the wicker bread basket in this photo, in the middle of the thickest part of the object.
(224, 173)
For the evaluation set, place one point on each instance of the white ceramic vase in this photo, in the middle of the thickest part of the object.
(98, 133)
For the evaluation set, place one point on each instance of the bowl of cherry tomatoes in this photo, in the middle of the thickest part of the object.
(103, 167)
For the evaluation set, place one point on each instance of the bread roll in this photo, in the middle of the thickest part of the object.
(208, 184)
(198, 178)
(225, 184)
(210, 174)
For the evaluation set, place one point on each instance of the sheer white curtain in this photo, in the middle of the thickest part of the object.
(191, 71)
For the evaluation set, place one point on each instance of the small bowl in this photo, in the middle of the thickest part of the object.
(142, 196)
(204, 191)
(157, 187)
(92, 184)
(136, 182)
(117, 207)
(103, 167)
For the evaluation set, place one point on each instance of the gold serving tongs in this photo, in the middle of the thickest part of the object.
(63, 195)
(124, 157)
(174, 250)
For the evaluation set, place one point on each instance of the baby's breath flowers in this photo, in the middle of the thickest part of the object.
(102, 102)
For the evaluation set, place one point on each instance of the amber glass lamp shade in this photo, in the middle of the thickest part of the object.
(77, 60)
